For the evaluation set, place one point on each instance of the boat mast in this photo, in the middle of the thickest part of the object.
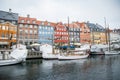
(17, 36)
(68, 33)
(73, 34)
(106, 31)
(108, 37)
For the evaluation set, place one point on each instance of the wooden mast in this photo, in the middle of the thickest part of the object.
(106, 32)
(108, 38)
(68, 33)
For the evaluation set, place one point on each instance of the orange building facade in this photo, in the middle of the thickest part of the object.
(84, 33)
(8, 33)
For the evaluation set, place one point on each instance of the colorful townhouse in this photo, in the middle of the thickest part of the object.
(97, 33)
(28, 30)
(84, 33)
(61, 36)
(74, 33)
(8, 28)
(46, 32)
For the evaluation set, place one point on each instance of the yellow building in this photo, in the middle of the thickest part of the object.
(98, 38)
(7, 33)
(95, 37)
(103, 38)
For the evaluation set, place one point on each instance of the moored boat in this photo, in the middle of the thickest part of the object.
(48, 52)
(18, 55)
(74, 54)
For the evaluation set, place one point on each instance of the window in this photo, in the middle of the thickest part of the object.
(48, 24)
(28, 21)
(45, 27)
(3, 27)
(0, 26)
(33, 22)
(6, 27)
(21, 25)
(26, 25)
(35, 32)
(35, 26)
(42, 23)
(13, 22)
(22, 21)
(31, 31)
(3, 35)
(1, 21)
(40, 27)
(31, 26)
(26, 31)
(14, 35)
(21, 32)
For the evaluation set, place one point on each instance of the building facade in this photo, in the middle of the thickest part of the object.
(28, 30)
(46, 33)
(84, 33)
(8, 28)
(61, 34)
(97, 33)
(7, 34)
(74, 33)
(8, 17)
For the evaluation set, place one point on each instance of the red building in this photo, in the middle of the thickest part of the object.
(28, 30)
(84, 33)
(60, 34)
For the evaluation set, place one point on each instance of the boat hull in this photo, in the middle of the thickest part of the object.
(49, 56)
(9, 62)
(111, 52)
(73, 57)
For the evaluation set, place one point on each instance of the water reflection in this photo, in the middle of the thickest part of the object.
(94, 68)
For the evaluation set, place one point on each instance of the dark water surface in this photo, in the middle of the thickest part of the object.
(99, 67)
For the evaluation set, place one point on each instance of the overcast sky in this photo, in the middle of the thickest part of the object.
(93, 11)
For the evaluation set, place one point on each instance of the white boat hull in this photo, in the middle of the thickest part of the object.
(18, 55)
(9, 62)
(111, 52)
(49, 56)
(72, 57)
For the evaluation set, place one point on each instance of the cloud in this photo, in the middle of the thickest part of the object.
(58, 10)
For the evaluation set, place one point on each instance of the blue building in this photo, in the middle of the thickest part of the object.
(46, 33)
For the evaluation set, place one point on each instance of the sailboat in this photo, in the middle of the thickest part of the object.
(77, 53)
(109, 50)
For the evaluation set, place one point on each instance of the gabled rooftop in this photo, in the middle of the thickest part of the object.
(8, 15)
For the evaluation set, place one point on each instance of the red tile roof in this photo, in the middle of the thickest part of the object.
(28, 19)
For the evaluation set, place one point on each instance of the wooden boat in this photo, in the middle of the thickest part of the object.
(74, 54)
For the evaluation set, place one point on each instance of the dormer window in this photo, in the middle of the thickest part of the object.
(13, 22)
(48, 24)
(2, 21)
(42, 23)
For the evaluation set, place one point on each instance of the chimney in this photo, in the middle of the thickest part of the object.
(10, 10)
(28, 16)
(88, 22)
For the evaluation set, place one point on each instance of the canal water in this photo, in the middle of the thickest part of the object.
(101, 67)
